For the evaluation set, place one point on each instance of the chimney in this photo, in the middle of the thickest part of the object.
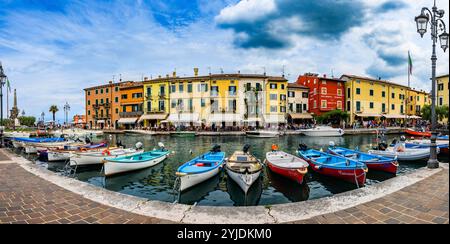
(195, 72)
(324, 75)
(145, 78)
(174, 74)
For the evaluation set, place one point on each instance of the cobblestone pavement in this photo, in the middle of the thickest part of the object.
(425, 202)
(26, 198)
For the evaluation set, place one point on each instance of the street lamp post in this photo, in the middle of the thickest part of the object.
(2, 82)
(434, 17)
(66, 112)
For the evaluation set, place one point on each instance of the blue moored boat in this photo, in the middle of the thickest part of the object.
(201, 168)
(39, 140)
(339, 167)
(374, 162)
(118, 165)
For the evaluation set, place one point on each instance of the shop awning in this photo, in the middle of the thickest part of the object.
(274, 119)
(414, 117)
(252, 120)
(184, 118)
(394, 116)
(127, 121)
(224, 117)
(301, 116)
(100, 121)
(158, 116)
(366, 115)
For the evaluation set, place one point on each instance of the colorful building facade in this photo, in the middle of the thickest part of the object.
(102, 106)
(442, 92)
(416, 100)
(298, 100)
(325, 94)
(131, 104)
(156, 102)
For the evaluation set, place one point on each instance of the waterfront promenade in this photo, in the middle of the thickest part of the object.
(26, 197)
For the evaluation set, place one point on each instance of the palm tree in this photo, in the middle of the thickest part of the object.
(53, 109)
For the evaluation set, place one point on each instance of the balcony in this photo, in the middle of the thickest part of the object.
(106, 105)
(131, 114)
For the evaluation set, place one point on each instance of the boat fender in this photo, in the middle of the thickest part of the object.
(106, 152)
(274, 147)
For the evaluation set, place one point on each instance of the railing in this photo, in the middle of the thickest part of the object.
(131, 114)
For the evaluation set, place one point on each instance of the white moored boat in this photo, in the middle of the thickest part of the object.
(402, 153)
(244, 168)
(97, 157)
(323, 131)
(263, 133)
(118, 165)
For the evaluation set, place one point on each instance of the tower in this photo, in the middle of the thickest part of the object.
(14, 110)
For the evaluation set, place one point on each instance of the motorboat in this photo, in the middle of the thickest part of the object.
(286, 165)
(244, 168)
(263, 133)
(322, 131)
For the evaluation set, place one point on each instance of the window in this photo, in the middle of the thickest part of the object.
(324, 82)
(383, 94)
(282, 86)
(96, 91)
(173, 103)
(358, 106)
(124, 96)
(324, 91)
(441, 101)
(393, 106)
(440, 87)
(323, 104)
(124, 109)
(214, 90)
(89, 112)
(348, 92)
(101, 91)
(315, 91)
(273, 97)
(371, 92)
(315, 104)
(401, 108)
(117, 110)
(101, 101)
(291, 94)
(358, 91)
(232, 106)
(116, 88)
(136, 95)
(181, 87)
(305, 108)
(348, 105)
(189, 87)
(282, 109)
(418, 98)
(393, 95)
(190, 105)
(203, 87)
(89, 102)
(371, 104)
(180, 104)
(173, 88)
(116, 99)
(283, 97)
(203, 102)
(214, 106)
(273, 109)
(298, 108)
(232, 90)
(258, 87)
(339, 91)
(149, 106)
(149, 91)
(96, 101)
(291, 107)
(162, 90)
(273, 86)
(107, 100)
(107, 90)
(383, 108)
(89, 93)
(305, 95)
(248, 87)
(339, 105)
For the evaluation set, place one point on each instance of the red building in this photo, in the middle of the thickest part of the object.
(325, 94)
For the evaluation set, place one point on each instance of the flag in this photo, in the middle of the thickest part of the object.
(8, 84)
(410, 64)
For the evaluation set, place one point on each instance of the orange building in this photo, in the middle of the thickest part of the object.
(102, 106)
(79, 120)
(131, 103)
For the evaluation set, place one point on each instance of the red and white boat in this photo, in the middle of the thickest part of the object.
(287, 165)
(418, 133)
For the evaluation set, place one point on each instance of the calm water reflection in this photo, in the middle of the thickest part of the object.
(157, 183)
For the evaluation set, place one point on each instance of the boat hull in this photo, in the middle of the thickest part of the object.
(419, 155)
(293, 174)
(190, 180)
(114, 168)
(262, 134)
(391, 167)
(53, 156)
(323, 133)
(92, 159)
(417, 133)
(244, 180)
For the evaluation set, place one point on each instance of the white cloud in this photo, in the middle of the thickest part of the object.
(247, 11)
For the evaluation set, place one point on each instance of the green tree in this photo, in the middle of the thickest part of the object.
(426, 112)
(53, 109)
(27, 120)
(441, 112)
(335, 117)
(6, 122)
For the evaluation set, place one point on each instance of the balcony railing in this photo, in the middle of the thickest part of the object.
(131, 114)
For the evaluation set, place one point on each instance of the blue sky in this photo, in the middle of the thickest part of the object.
(52, 49)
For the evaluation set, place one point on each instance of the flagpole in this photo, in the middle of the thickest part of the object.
(409, 87)
(7, 103)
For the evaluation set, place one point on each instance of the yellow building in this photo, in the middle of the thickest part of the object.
(442, 92)
(275, 101)
(416, 100)
(156, 102)
(374, 99)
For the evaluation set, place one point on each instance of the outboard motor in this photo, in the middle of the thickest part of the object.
(381, 146)
(402, 138)
(119, 144)
(302, 147)
(246, 148)
(87, 140)
(139, 145)
(331, 144)
(394, 142)
(215, 149)
(161, 146)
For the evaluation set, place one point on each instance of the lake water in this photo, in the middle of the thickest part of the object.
(157, 183)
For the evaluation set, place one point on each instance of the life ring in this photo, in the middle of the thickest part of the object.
(106, 152)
